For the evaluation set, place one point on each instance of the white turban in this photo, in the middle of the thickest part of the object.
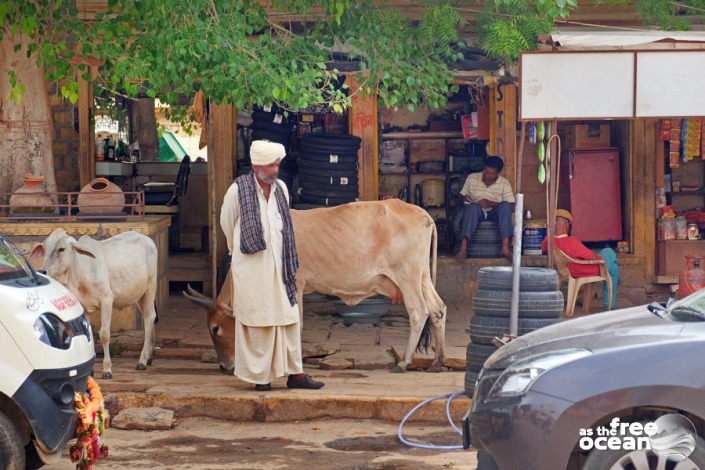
(263, 152)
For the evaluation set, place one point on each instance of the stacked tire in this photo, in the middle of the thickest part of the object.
(486, 241)
(540, 305)
(271, 124)
(328, 169)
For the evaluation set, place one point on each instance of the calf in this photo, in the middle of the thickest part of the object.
(114, 273)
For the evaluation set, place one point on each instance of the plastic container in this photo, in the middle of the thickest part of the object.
(681, 228)
(433, 191)
(534, 233)
(669, 228)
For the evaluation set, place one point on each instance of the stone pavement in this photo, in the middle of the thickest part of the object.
(185, 377)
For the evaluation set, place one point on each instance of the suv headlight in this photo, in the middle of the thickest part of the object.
(51, 331)
(518, 377)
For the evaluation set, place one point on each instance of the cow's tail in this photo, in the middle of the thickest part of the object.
(426, 337)
(434, 254)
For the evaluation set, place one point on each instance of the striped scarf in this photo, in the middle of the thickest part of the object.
(252, 234)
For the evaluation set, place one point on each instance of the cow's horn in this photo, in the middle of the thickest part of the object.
(201, 300)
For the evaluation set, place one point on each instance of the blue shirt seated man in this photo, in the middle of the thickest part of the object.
(488, 196)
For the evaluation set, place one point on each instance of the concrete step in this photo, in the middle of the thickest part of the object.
(193, 389)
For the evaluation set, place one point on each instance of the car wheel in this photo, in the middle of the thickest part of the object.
(644, 459)
(12, 455)
(484, 329)
(489, 303)
(477, 354)
(484, 250)
(530, 279)
(328, 173)
(343, 192)
(329, 201)
(470, 381)
(339, 181)
(330, 157)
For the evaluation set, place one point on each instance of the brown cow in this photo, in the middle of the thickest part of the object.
(355, 251)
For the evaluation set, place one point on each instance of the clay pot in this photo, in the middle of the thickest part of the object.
(100, 196)
(31, 198)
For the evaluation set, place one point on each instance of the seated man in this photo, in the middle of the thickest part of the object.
(488, 196)
(574, 248)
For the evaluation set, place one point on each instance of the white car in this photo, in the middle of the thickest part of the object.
(46, 355)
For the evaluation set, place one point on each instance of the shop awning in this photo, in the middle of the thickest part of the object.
(606, 40)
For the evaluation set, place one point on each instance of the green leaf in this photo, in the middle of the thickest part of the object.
(276, 92)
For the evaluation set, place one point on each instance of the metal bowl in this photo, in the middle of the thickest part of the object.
(351, 318)
(315, 297)
(377, 305)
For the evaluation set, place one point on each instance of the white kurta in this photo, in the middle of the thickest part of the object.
(267, 330)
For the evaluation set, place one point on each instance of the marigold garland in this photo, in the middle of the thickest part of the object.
(92, 421)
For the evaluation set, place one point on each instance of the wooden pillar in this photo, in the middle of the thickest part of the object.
(647, 177)
(222, 154)
(363, 123)
(504, 135)
(86, 134)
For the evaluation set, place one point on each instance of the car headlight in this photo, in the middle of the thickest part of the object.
(518, 377)
(51, 331)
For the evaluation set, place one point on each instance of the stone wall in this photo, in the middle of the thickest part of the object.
(65, 141)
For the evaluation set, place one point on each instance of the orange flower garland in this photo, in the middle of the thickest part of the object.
(92, 421)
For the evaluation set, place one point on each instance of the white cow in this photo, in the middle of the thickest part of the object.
(114, 273)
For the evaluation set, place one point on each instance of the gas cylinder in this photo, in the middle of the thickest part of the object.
(693, 278)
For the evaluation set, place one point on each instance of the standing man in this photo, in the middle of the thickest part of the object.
(256, 220)
(488, 196)
(574, 248)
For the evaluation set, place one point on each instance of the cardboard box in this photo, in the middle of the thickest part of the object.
(591, 135)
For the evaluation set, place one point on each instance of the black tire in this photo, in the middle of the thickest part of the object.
(331, 201)
(320, 192)
(349, 181)
(329, 157)
(489, 303)
(477, 354)
(330, 141)
(530, 279)
(310, 165)
(273, 137)
(263, 116)
(327, 172)
(484, 251)
(484, 329)
(305, 207)
(12, 453)
(470, 381)
(598, 460)
(485, 461)
(273, 127)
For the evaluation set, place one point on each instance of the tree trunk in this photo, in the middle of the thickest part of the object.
(26, 128)
(144, 126)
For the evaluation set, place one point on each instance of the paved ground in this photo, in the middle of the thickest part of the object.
(182, 334)
(207, 444)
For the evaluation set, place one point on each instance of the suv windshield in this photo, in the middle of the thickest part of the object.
(11, 265)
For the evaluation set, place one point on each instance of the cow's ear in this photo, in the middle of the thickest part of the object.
(37, 251)
(82, 250)
(226, 309)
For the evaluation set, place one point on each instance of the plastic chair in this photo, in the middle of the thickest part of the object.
(575, 283)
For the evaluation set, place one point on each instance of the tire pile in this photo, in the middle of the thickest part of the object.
(271, 124)
(486, 241)
(328, 167)
(540, 305)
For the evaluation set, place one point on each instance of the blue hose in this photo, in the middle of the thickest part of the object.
(450, 397)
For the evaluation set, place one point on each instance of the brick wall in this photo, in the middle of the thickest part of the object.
(65, 143)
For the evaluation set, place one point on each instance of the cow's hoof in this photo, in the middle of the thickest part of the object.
(149, 362)
(107, 375)
(398, 370)
(435, 368)
(141, 366)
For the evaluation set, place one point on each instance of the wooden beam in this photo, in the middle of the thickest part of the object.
(505, 135)
(86, 134)
(222, 154)
(363, 123)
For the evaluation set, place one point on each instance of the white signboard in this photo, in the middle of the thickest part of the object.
(577, 85)
(670, 84)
